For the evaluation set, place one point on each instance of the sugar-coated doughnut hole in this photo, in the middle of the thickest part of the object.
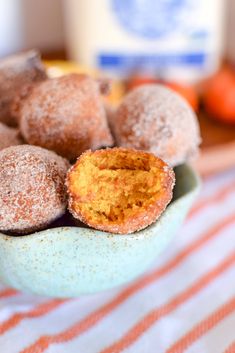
(156, 119)
(119, 190)
(66, 115)
(32, 190)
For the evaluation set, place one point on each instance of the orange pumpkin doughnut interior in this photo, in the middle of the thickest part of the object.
(119, 190)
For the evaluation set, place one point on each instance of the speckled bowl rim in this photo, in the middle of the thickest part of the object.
(94, 232)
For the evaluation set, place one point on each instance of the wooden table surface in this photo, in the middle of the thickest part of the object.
(218, 146)
(215, 133)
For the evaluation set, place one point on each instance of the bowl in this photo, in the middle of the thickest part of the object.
(71, 261)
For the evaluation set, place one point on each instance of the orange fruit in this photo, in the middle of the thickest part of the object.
(219, 96)
(188, 92)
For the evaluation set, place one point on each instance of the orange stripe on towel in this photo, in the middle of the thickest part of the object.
(203, 327)
(231, 348)
(217, 197)
(9, 292)
(92, 319)
(151, 318)
(41, 309)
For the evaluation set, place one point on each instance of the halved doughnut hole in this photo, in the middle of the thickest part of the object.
(117, 186)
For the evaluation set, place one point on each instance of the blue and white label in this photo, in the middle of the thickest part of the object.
(139, 61)
(154, 19)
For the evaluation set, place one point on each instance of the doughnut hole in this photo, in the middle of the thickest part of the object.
(119, 190)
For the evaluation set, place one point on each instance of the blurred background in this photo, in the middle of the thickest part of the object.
(186, 44)
(49, 25)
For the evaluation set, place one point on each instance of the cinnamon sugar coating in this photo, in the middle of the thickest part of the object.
(66, 115)
(16, 71)
(32, 191)
(154, 118)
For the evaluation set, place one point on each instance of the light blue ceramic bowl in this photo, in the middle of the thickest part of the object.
(70, 261)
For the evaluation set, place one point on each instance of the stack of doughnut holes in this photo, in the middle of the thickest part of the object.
(62, 147)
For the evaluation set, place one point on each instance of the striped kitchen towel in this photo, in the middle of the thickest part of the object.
(185, 303)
